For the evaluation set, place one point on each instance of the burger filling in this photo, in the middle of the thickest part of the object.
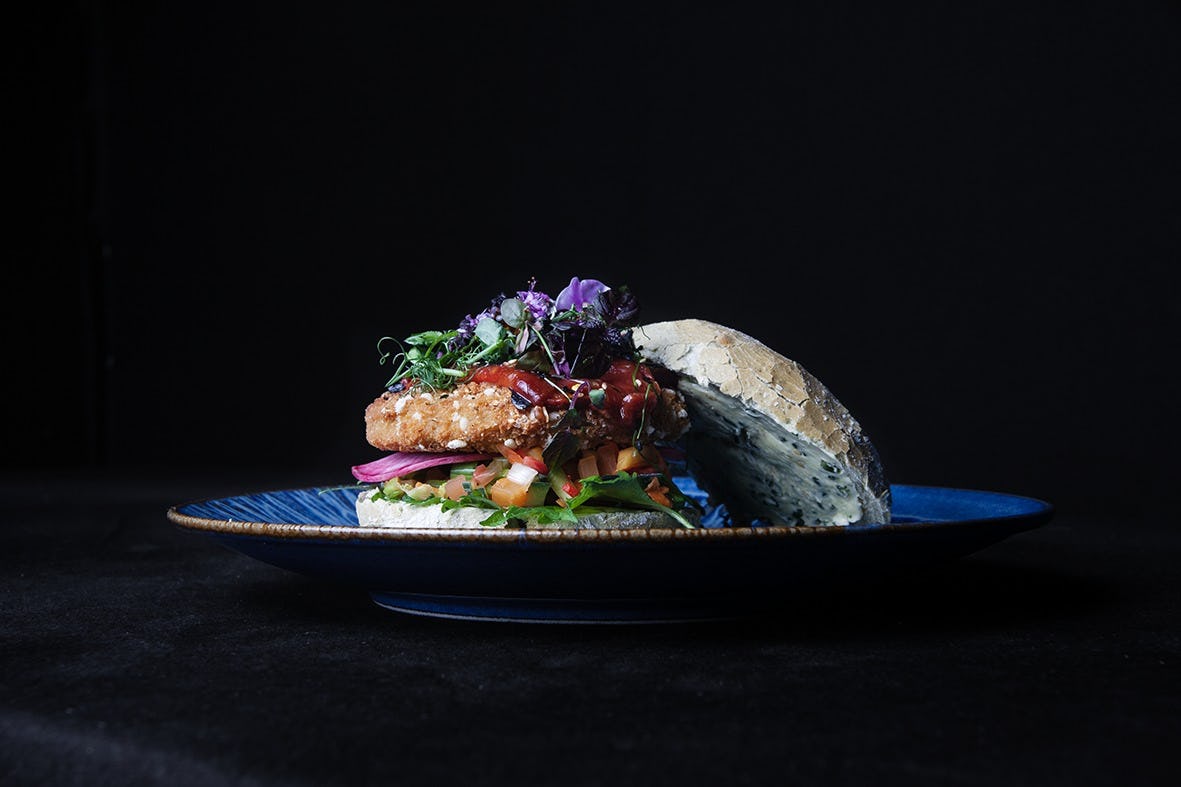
(535, 410)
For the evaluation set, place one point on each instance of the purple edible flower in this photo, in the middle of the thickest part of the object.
(579, 294)
(467, 328)
(538, 304)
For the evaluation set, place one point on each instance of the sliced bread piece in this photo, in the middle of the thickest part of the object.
(767, 438)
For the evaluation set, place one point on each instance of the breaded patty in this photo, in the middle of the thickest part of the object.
(481, 417)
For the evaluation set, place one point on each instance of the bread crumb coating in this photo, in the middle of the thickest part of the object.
(482, 417)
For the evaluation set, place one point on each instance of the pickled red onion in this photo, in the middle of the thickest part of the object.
(401, 463)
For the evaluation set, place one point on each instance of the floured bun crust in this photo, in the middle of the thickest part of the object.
(767, 438)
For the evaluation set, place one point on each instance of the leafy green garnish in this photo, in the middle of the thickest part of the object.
(429, 500)
(427, 338)
(512, 311)
(436, 359)
(626, 488)
(477, 498)
(542, 515)
(489, 331)
(638, 437)
(575, 335)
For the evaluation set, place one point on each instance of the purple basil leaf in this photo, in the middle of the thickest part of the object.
(618, 306)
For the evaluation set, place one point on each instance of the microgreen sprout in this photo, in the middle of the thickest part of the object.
(429, 361)
(639, 436)
(579, 333)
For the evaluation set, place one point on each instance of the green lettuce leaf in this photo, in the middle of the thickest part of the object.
(543, 515)
(475, 499)
(626, 488)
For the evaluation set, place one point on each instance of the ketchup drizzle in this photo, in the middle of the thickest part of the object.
(628, 388)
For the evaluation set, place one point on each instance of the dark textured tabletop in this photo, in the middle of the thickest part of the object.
(135, 653)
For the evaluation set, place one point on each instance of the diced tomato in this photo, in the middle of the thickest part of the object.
(571, 488)
(486, 474)
(607, 457)
(526, 459)
(588, 465)
(453, 489)
(535, 453)
(507, 493)
(536, 464)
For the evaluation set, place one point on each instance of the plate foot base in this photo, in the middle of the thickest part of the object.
(555, 610)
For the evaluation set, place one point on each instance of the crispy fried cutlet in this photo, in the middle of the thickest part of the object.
(482, 417)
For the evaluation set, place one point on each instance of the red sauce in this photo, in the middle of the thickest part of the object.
(531, 386)
(628, 388)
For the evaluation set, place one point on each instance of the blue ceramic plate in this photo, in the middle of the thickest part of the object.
(566, 576)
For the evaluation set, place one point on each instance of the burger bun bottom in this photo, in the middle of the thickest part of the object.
(396, 514)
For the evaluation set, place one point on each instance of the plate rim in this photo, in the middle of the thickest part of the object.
(325, 533)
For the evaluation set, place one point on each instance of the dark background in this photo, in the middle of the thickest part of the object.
(959, 218)
(962, 219)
